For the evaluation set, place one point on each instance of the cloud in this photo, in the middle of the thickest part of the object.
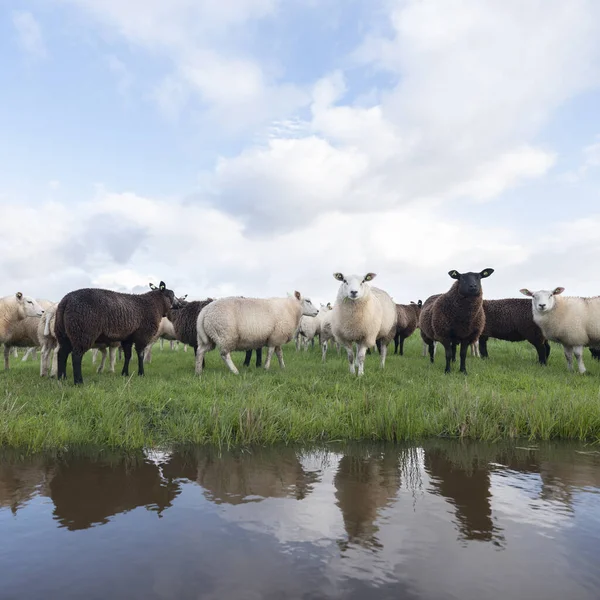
(591, 161)
(29, 34)
(123, 241)
(122, 74)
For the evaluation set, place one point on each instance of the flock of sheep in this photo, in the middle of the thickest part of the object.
(363, 317)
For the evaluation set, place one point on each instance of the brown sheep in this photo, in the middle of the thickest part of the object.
(408, 320)
(456, 317)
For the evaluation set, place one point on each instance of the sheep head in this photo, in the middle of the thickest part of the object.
(28, 306)
(469, 284)
(354, 287)
(543, 301)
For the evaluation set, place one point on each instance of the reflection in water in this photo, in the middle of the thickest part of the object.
(86, 494)
(243, 476)
(365, 482)
(354, 521)
(467, 487)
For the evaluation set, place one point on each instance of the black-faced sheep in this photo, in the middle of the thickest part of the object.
(238, 323)
(408, 320)
(456, 317)
(91, 315)
(363, 315)
(511, 319)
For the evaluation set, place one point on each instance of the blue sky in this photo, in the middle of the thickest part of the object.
(256, 146)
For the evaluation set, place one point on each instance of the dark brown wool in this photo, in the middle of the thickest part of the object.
(408, 319)
(88, 316)
(456, 317)
(511, 319)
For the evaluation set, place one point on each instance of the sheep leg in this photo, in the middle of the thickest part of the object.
(578, 351)
(185, 347)
(112, 353)
(464, 347)
(448, 349)
(402, 338)
(248, 358)
(324, 351)
(226, 356)
(54, 367)
(350, 352)
(15, 352)
(297, 341)
(77, 358)
(95, 356)
(27, 354)
(162, 343)
(199, 351)
(361, 352)
(483, 351)
(569, 356)
(541, 352)
(148, 353)
(454, 344)
(279, 354)
(102, 361)
(120, 353)
(547, 346)
(396, 343)
(44, 360)
(140, 348)
(64, 350)
(127, 355)
(383, 352)
(269, 357)
(258, 357)
(6, 355)
(425, 348)
(431, 348)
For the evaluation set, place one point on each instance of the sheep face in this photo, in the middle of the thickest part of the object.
(354, 287)
(543, 301)
(308, 308)
(28, 306)
(170, 300)
(469, 284)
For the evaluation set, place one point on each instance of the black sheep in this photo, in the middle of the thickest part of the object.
(456, 317)
(91, 315)
(511, 319)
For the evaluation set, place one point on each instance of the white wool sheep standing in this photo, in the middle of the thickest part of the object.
(32, 350)
(236, 323)
(571, 321)
(14, 312)
(363, 315)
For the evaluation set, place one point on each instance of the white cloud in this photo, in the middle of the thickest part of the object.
(29, 34)
(122, 74)
(591, 161)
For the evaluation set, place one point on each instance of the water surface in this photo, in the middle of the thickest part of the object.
(439, 520)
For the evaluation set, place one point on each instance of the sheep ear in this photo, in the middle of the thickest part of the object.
(420, 303)
(162, 286)
(454, 274)
(339, 276)
(152, 286)
(185, 297)
(526, 292)
(297, 295)
(370, 276)
(329, 305)
(486, 273)
(19, 295)
(558, 290)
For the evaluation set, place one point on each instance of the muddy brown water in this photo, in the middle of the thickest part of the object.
(438, 520)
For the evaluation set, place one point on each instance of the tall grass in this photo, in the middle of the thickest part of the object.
(507, 396)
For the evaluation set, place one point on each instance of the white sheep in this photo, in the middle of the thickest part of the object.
(14, 312)
(571, 321)
(363, 315)
(32, 350)
(308, 328)
(236, 323)
(166, 331)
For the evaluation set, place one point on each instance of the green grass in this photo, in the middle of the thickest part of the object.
(507, 396)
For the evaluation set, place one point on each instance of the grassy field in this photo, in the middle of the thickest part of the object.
(507, 396)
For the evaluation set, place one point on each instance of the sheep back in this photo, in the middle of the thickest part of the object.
(574, 321)
(248, 323)
(511, 319)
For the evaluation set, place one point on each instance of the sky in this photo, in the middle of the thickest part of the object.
(255, 147)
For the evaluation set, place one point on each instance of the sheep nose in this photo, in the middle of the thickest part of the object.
(354, 293)
(542, 306)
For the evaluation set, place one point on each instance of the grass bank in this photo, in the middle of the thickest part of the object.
(507, 396)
